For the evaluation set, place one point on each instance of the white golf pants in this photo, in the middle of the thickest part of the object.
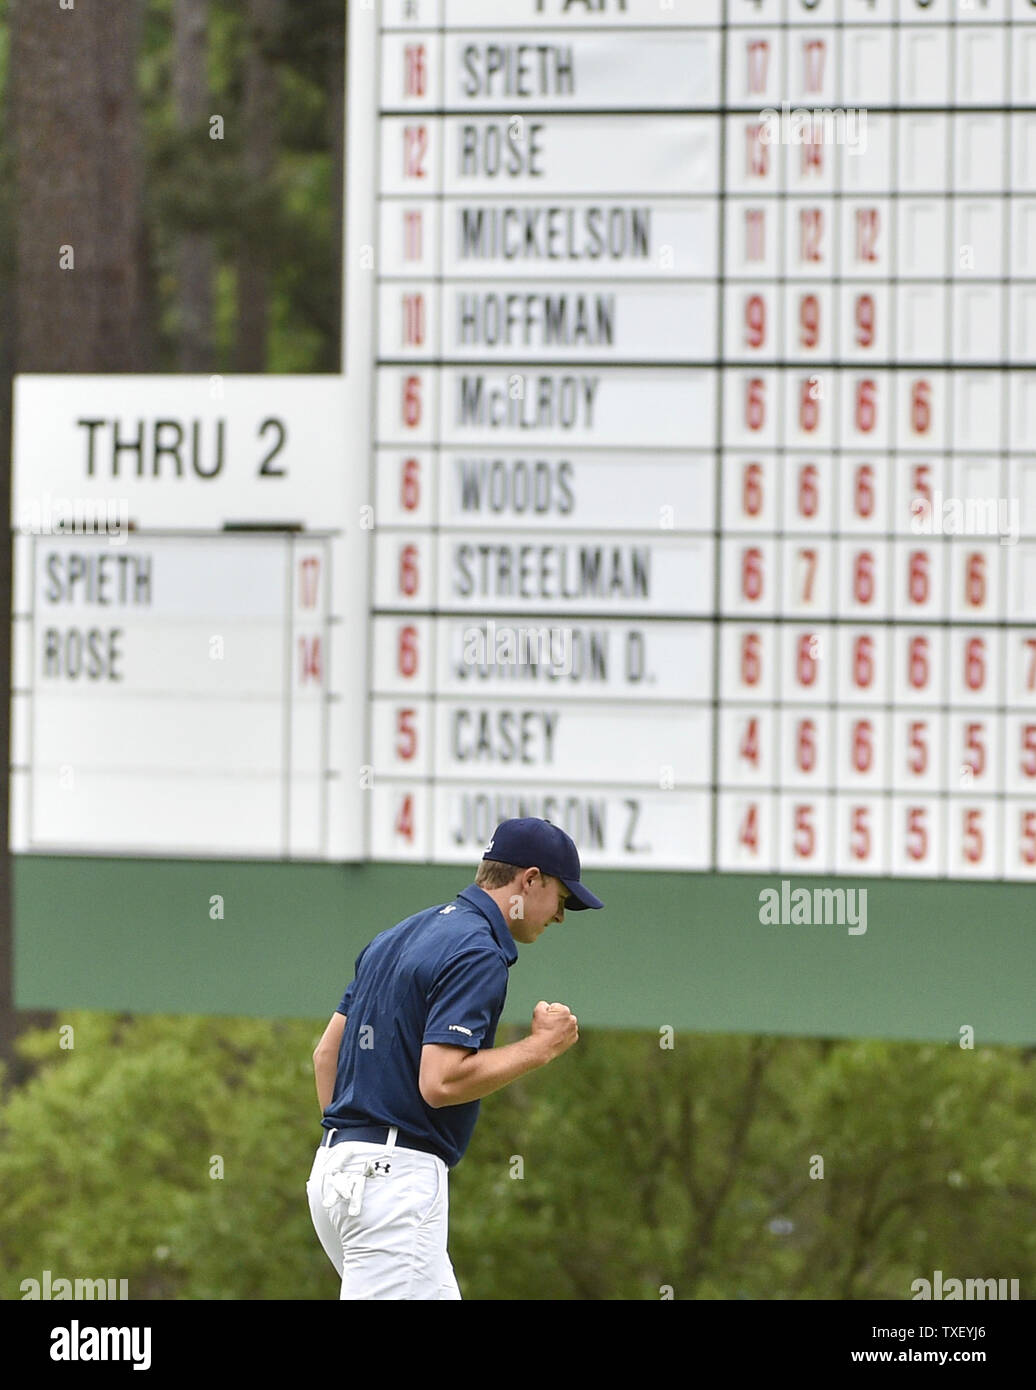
(381, 1214)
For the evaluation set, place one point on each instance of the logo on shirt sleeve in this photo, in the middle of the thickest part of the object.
(456, 1028)
(443, 910)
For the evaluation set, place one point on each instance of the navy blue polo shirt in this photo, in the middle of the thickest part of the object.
(437, 977)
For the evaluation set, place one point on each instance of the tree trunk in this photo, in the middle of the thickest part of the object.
(196, 258)
(336, 115)
(75, 139)
(259, 118)
(80, 277)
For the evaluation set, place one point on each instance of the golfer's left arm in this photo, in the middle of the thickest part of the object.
(325, 1059)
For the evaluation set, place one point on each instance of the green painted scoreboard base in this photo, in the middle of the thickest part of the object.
(688, 951)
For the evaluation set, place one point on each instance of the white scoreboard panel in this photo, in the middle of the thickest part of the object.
(703, 429)
(189, 618)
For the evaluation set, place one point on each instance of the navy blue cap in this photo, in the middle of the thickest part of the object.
(529, 843)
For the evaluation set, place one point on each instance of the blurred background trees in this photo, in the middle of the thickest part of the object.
(173, 1152)
(190, 152)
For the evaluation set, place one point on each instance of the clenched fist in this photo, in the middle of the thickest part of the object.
(555, 1026)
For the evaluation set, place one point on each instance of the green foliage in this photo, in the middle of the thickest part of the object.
(620, 1169)
(691, 1168)
(197, 184)
(106, 1154)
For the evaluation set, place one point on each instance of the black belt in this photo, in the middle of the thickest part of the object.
(375, 1134)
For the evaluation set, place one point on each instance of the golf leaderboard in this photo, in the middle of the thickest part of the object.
(704, 338)
(679, 485)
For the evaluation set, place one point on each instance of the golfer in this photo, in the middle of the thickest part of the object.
(408, 1055)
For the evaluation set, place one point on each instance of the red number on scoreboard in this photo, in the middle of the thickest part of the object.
(757, 151)
(921, 407)
(863, 745)
(973, 839)
(752, 573)
(406, 742)
(806, 752)
(811, 225)
(918, 760)
(918, 585)
(758, 54)
(809, 321)
(405, 818)
(407, 651)
(814, 53)
(920, 475)
(863, 661)
(1028, 759)
(311, 660)
(863, 577)
(413, 234)
(1028, 836)
(917, 833)
(917, 662)
(755, 320)
(975, 580)
(412, 402)
(755, 403)
(749, 834)
(975, 748)
(749, 748)
(416, 80)
(805, 835)
(812, 159)
(975, 663)
(864, 320)
(860, 842)
(809, 560)
(807, 658)
(410, 485)
(864, 491)
(309, 581)
(408, 575)
(755, 234)
(809, 495)
(752, 489)
(415, 148)
(866, 405)
(867, 223)
(413, 320)
(809, 405)
(751, 664)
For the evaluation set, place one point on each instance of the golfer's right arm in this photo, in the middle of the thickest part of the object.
(456, 1075)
